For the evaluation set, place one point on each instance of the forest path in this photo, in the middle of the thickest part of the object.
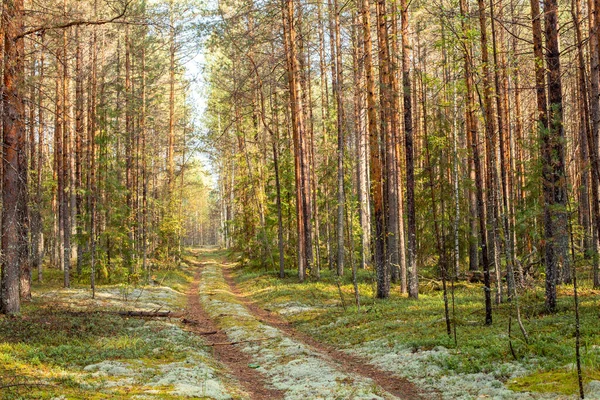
(231, 356)
(271, 358)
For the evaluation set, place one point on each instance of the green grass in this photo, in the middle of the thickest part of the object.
(553, 381)
(178, 279)
(420, 324)
(49, 343)
(44, 349)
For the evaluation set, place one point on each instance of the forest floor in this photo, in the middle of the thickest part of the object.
(66, 345)
(243, 333)
(287, 364)
(408, 339)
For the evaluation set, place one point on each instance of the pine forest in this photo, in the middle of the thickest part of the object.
(294, 199)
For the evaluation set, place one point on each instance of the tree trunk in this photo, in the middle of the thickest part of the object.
(25, 275)
(553, 169)
(338, 88)
(503, 134)
(595, 131)
(470, 127)
(375, 164)
(14, 162)
(92, 123)
(37, 223)
(302, 180)
(476, 154)
(171, 137)
(361, 143)
(65, 169)
(388, 151)
(490, 152)
(584, 134)
(413, 282)
(143, 133)
(79, 133)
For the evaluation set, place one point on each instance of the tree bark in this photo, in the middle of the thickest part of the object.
(79, 133)
(171, 137)
(386, 111)
(476, 154)
(413, 281)
(375, 164)
(593, 138)
(500, 81)
(37, 223)
(361, 143)
(584, 134)
(553, 169)
(490, 152)
(338, 88)
(65, 169)
(303, 210)
(14, 162)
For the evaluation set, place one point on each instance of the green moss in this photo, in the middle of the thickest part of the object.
(420, 325)
(178, 279)
(555, 381)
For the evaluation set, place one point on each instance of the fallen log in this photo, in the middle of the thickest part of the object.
(147, 314)
(240, 341)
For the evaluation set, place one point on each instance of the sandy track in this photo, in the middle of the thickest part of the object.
(396, 385)
(231, 356)
(286, 363)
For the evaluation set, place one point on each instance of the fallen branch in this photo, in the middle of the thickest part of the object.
(147, 313)
(240, 341)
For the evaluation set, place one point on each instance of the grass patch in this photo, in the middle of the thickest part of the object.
(554, 381)
(50, 346)
(419, 325)
(44, 350)
(177, 279)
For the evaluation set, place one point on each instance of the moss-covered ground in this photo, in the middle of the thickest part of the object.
(297, 370)
(544, 365)
(64, 345)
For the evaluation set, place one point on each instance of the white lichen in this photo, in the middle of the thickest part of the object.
(191, 381)
(290, 366)
(293, 308)
(149, 298)
(422, 367)
(193, 374)
(592, 390)
(109, 368)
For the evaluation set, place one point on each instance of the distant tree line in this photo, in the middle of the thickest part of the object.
(453, 136)
(97, 134)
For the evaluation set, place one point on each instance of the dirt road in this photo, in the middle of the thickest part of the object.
(269, 357)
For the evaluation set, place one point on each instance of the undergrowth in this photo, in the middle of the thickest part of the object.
(43, 351)
(419, 325)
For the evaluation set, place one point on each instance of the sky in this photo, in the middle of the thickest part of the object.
(194, 73)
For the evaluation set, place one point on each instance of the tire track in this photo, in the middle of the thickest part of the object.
(253, 382)
(293, 364)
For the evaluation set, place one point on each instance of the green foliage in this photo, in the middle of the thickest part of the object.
(168, 233)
